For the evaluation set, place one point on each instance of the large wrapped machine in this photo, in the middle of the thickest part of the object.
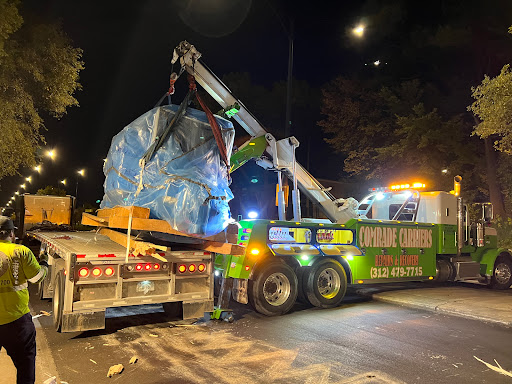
(176, 170)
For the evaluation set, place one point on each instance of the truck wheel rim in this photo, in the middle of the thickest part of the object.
(276, 289)
(502, 273)
(329, 283)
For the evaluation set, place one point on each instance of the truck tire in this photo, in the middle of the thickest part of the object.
(502, 273)
(444, 271)
(302, 274)
(273, 290)
(326, 283)
(174, 310)
(58, 301)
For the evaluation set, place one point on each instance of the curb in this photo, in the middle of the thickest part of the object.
(440, 309)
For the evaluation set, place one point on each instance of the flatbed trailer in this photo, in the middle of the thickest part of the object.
(109, 267)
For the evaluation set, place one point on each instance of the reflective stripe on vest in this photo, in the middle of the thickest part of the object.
(39, 275)
(16, 288)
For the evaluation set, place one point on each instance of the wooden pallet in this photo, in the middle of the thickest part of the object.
(119, 217)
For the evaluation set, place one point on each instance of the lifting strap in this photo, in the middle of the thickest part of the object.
(217, 134)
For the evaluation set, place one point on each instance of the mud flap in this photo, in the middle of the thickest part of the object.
(239, 292)
(83, 321)
(196, 310)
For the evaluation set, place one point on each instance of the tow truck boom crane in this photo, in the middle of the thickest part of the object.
(281, 152)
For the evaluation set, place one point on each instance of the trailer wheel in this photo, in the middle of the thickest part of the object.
(502, 273)
(273, 290)
(174, 310)
(302, 274)
(326, 283)
(58, 301)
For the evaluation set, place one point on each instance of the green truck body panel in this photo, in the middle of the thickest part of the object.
(375, 251)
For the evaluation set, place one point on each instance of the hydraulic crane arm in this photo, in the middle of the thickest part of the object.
(281, 151)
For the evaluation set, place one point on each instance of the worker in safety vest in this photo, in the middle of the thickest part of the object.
(18, 266)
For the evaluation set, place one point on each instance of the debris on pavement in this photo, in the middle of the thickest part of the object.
(153, 335)
(41, 313)
(134, 359)
(51, 380)
(496, 368)
(115, 369)
(93, 361)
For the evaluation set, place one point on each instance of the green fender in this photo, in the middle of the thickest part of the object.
(489, 258)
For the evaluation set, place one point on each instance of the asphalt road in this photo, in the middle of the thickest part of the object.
(361, 341)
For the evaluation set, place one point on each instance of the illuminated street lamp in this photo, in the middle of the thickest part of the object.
(29, 179)
(445, 171)
(23, 186)
(81, 172)
(37, 168)
(63, 181)
(359, 30)
(51, 154)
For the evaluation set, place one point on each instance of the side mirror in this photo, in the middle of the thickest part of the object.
(487, 213)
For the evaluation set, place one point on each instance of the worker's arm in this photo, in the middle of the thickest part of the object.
(34, 271)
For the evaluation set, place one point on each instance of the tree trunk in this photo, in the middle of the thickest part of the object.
(492, 180)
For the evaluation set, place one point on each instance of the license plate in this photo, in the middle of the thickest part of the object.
(145, 286)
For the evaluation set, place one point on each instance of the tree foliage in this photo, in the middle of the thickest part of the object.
(493, 106)
(39, 73)
(51, 190)
(389, 133)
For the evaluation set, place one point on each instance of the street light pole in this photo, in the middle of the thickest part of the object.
(288, 127)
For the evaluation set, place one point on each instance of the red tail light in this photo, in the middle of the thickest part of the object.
(96, 272)
(83, 272)
(182, 268)
(192, 268)
(201, 267)
(109, 271)
(147, 267)
(247, 267)
(156, 267)
(138, 267)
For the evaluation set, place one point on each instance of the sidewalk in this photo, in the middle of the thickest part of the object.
(45, 366)
(471, 302)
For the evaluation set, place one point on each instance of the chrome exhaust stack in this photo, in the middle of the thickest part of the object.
(460, 214)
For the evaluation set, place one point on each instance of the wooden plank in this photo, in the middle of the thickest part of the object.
(223, 242)
(223, 237)
(223, 248)
(88, 219)
(137, 247)
(139, 212)
(145, 225)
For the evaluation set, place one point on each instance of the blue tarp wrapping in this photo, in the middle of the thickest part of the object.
(185, 183)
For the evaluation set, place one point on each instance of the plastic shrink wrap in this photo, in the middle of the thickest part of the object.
(185, 182)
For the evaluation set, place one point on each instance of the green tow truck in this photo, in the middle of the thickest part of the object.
(411, 236)
(401, 233)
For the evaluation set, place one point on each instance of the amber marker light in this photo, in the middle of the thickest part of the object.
(96, 272)
(192, 268)
(201, 267)
(109, 271)
(255, 251)
(182, 268)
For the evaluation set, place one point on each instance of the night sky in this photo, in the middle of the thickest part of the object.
(127, 49)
